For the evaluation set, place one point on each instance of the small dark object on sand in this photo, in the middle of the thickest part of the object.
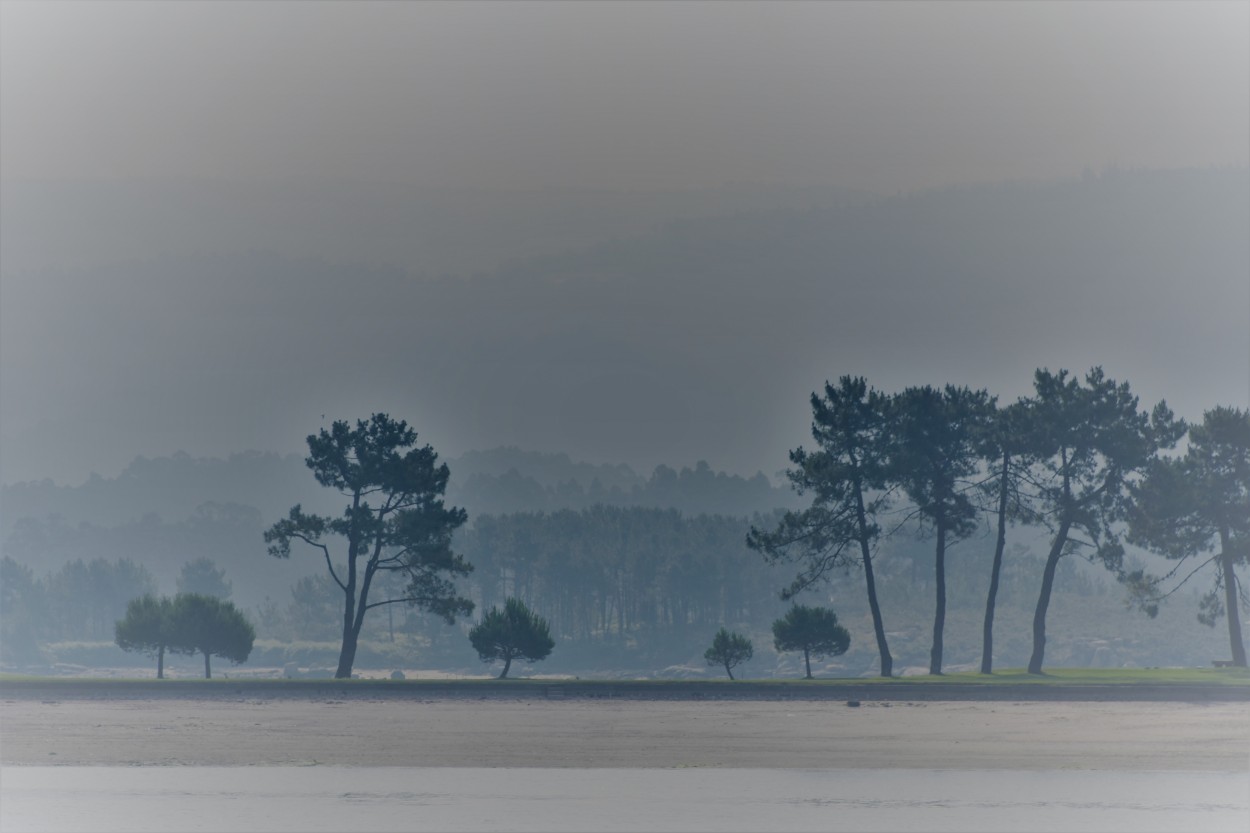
(853, 703)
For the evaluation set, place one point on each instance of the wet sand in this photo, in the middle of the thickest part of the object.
(988, 735)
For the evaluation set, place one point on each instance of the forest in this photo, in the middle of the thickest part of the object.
(946, 531)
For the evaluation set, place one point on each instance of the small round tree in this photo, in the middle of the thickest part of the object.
(510, 633)
(729, 649)
(147, 627)
(812, 630)
(208, 626)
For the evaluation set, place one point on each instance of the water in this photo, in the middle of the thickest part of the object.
(309, 799)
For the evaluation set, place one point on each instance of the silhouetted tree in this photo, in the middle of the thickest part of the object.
(847, 478)
(147, 627)
(511, 633)
(730, 650)
(1005, 447)
(209, 626)
(812, 630)
(1090, 441)
(204, 577)
(934, 449)
(1199, 505)
(395, 520)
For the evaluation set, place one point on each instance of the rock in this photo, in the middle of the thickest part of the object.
(398, 675)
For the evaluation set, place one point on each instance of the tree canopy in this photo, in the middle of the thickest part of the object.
(1090, 441)
(212, 627)
(147, 627)
(814, 631)
(515, 632)
(189, 624)
(1199, 505)
(935, 438)
(394, 521)
(729, 650)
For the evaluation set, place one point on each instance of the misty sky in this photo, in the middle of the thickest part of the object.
(881, 96)
(106, 360)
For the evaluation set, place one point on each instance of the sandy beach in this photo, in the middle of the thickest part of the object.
(598, 734)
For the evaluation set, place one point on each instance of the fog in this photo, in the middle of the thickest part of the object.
(599, 255)
(886, 97)
(225, 224)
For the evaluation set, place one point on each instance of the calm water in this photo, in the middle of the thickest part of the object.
(398, 798)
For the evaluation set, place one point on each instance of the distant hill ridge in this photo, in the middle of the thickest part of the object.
(501, 480)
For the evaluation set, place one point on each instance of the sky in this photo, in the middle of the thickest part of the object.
(551, 99)
(881, 96)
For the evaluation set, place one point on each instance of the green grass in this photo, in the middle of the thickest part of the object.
(1056, 676)
(1093, 676)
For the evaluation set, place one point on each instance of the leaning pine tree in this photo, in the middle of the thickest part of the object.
(1197, 509)
(847, 478)
(1004, 448)
(729, 649)
(394, 521)
(1091, 443)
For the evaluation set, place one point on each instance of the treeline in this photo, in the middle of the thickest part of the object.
(548, 483)
(81, 601)
(649, 580)
(227, 533)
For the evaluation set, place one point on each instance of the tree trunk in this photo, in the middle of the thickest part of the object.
(160, 662)
(347, 654)
(1231, 601)
(939, 613)
(1043, 599)
(208, 671)
(878, 626)
(987, 637)
(807, 660)
(507, 663)
(729, 671)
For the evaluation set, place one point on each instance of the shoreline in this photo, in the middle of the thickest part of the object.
(883, 690)
(581, 733)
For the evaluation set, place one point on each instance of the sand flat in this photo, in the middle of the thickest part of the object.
(588, 733)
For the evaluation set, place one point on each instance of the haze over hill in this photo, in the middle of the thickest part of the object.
(226, 225)
(700, 338)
